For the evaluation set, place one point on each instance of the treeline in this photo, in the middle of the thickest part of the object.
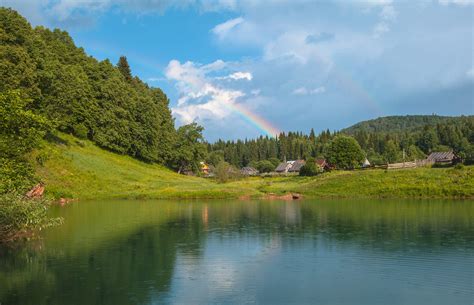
(43, 74)
(380, 144)
(82, 96)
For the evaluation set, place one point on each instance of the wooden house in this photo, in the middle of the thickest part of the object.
(296, 166)
(323, 164)
(248, 171)
(284, 167)
(448, 157)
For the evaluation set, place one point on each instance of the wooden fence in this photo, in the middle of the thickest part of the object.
(411, 164)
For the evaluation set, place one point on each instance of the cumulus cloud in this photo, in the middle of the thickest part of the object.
(200, 97)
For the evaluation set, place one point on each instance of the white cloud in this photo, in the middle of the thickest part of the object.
(200, 98)
(380, 29)
(456, 2)
(222, 29)
(237, 76)
(305, 91)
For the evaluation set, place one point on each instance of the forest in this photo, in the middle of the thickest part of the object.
(48, 84)
(384, 140)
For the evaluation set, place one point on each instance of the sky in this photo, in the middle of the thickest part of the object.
(247, 68)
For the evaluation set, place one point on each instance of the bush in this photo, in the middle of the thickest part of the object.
(310, 168)
(20, 217)
(225, 172)
(80, 131)
(264, 166)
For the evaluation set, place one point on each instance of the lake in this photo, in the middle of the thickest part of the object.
(247, 252)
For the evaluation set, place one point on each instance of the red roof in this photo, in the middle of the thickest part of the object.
(321, 162)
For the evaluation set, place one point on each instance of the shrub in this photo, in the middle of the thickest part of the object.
(310, 168)
(264, 166)
(20, 217)
(80, 130)
(225, 172)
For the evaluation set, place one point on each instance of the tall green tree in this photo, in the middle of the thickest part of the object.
(344, 152)
(190, 149)
(124, 68)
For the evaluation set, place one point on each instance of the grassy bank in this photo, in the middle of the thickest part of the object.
(73, 168)
(408, 183)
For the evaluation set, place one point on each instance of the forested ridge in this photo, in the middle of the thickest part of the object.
(383, 140)
(49, 84)
(80, 95)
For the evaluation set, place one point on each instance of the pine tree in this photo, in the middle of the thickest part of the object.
(124, 68)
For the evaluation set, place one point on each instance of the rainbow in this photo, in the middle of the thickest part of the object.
(254, 119)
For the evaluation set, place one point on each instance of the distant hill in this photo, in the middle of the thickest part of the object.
(400, 123)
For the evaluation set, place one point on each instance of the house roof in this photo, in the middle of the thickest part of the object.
(441, 156)
(297, 165)
(249, 170)
(321, 162)
(282, 167)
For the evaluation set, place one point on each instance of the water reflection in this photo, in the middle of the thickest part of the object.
(338, 252)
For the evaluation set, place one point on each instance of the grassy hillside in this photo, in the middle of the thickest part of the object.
(400, 123)
(78, 169)
(407, 183)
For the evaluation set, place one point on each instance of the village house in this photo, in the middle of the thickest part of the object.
(284, 167)
(323, 164)
(290, 166)
(446, 158)
(249, 171)
(204, 168)
(296, 166)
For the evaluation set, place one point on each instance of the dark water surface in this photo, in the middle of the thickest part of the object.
(238, 252)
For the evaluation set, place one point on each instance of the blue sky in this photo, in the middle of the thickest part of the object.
(295, 64)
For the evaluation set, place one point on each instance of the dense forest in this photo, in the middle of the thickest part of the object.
(388, 139)
(47, 84)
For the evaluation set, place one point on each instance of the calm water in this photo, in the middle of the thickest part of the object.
(220, 252)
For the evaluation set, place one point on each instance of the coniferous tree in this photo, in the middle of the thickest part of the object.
(124, 68)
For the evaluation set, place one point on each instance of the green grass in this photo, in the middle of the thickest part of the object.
(407, 183)
(79, 169)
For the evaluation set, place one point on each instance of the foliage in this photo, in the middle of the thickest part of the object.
(20, 131)
(391, 152)
(382, 139)
(85, 97)
(344, 152)
(21, 217)
(264, 166)
(310, 168)
(189, 148)
(225, 172)
(124, 68)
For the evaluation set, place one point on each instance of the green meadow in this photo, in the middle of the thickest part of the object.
(78, 169)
